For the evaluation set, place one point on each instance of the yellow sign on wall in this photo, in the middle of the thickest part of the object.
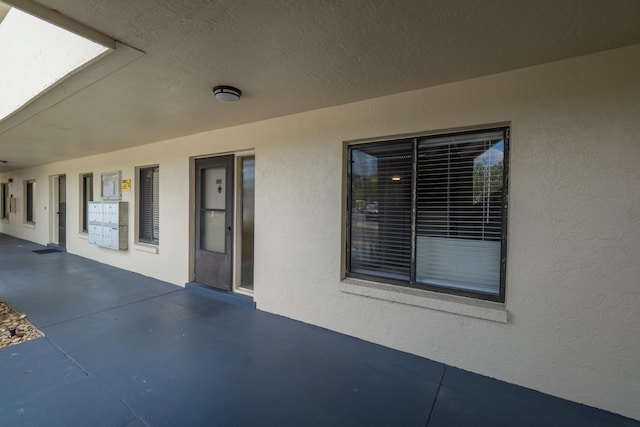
(126, 185)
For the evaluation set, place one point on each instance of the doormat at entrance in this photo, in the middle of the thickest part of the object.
(14, 327)
(45, 251)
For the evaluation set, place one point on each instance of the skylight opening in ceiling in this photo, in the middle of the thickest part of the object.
(35, 56)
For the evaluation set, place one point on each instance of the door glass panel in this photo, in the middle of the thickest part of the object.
(213, 188)
(213, 211)
(62, 209)
(62, 183)
(248, 214)
(212, 230)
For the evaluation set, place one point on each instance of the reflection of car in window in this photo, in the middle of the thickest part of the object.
(371, 211)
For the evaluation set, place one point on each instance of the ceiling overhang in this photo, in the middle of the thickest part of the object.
(56, 18)
(287, 56)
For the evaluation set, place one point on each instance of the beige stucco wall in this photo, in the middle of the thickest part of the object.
(573, 279)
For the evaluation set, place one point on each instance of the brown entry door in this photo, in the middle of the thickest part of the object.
(214, 220)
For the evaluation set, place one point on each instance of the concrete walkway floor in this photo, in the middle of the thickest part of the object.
(126, 350)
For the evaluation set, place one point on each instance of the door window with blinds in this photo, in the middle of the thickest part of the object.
(430, 212)
(149, 225)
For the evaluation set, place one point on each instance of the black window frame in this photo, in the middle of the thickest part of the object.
(4, 203)
(86, 186)
(148, 221)
(29, 201)
(411, 282)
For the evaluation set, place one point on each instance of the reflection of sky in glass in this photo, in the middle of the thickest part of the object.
(249, 169)
(363, 163)
(492, 156)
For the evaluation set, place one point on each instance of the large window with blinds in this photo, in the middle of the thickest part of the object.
(149, 203)
(430, 212)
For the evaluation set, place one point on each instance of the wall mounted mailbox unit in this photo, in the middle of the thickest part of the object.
(108, 224)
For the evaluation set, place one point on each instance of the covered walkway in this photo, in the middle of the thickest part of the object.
(121, 349)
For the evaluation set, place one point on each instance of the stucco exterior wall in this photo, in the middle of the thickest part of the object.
(573, 279)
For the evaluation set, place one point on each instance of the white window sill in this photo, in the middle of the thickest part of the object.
(29, 225)
(83, 236)
(142, 247)
(455, 304)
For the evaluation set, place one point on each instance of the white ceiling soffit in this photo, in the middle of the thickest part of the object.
(41, 48)
(98, 56)
(71, 84)
(289, 56)
(56, 18)
(37, 55)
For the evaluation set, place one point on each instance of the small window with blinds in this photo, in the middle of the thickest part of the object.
(4, 200)
(29, 197)
(149, 225)
(430, 212)
(86, 183)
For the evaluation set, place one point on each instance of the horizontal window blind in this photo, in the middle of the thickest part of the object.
(4, 202)
(87, 196)
(381, 210)
(459, 211)
(155, 229)
(430, 212)
(150, 205)
(29, 202)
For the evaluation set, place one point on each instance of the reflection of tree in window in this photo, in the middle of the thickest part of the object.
(488, 175)
(487, 172)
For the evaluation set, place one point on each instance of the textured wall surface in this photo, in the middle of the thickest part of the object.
(573, 287)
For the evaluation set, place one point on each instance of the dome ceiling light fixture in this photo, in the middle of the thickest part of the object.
(227, 93)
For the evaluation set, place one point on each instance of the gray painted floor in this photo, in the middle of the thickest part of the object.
(125, 350)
